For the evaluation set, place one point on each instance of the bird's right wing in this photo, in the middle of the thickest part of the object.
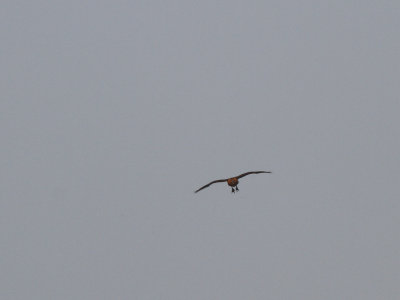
(207, 185)
(252, 172)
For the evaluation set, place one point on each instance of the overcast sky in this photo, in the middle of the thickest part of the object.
(114, 112)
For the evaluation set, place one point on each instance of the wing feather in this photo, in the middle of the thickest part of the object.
(207, 185)
(252, 172)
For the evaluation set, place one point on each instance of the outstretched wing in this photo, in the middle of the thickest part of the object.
(252, 172)
(207, 185)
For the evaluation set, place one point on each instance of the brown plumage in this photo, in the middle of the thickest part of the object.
(233, 181)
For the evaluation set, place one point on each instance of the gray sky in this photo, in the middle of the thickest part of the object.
(114, 112)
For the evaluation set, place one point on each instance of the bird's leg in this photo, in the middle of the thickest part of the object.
(237, 188)
(233, 191)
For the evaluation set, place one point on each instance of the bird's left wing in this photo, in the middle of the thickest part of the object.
(207, 185)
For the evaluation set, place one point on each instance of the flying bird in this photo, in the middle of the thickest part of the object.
(233, 181)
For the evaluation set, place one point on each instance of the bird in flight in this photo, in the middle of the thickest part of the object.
(233, 181)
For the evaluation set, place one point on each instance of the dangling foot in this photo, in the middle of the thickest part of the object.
(233, 191)
(237, 188)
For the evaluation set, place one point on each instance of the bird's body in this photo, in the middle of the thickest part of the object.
(233, 181)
